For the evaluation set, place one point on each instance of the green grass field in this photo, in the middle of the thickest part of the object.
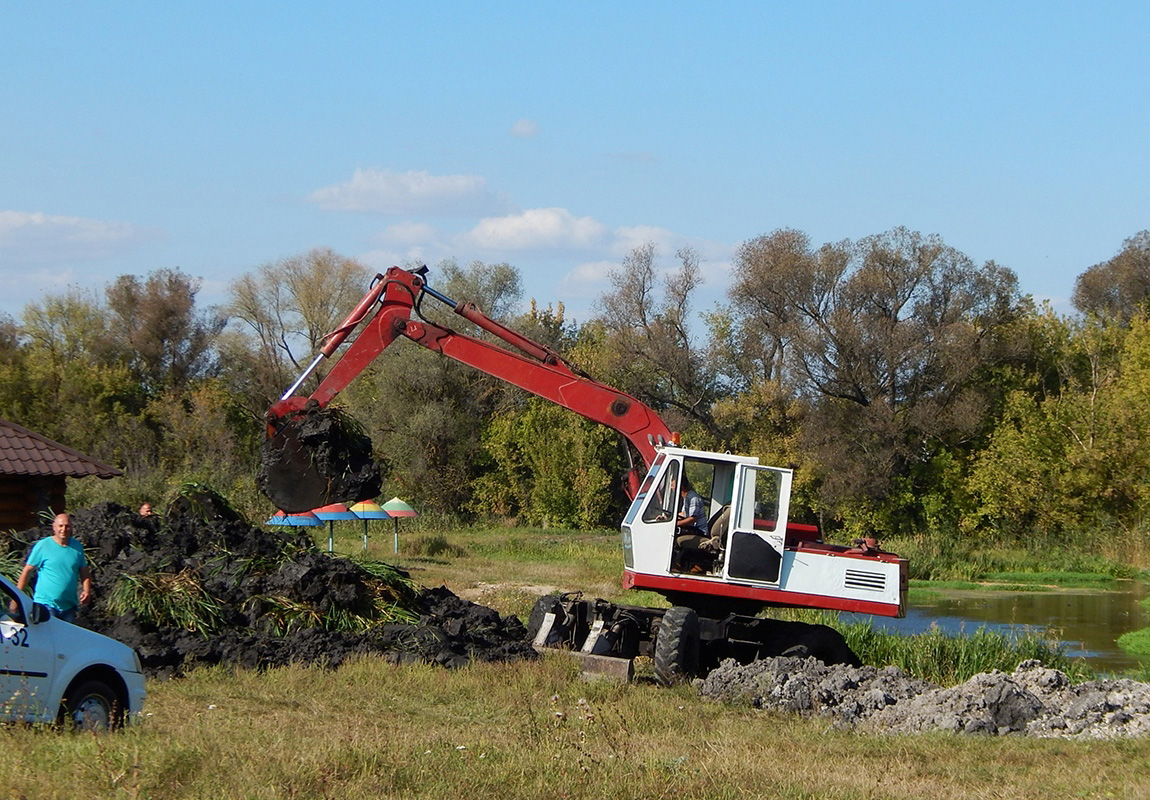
(531, 730)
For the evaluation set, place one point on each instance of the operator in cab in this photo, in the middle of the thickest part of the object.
(692, 520)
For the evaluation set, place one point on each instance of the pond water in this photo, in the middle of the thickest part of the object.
(1087, 621)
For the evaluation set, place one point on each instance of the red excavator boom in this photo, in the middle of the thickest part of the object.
(391, 309)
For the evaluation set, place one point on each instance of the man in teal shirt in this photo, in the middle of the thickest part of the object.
(59, 563)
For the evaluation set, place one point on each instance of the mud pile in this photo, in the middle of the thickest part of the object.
(1031, 701)
(265, 599)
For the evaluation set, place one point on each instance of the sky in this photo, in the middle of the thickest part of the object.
(215, 137)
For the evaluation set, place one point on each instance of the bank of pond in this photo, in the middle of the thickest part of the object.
(1084, 624)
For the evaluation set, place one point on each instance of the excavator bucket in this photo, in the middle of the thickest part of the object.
(315, 457)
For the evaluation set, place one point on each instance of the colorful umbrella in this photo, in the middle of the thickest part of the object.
(305, 519)
(395, 509)
(330, 513)
(365, 510)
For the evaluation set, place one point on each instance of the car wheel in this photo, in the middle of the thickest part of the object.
(91, 705)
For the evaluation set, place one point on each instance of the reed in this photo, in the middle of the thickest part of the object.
(167, 599)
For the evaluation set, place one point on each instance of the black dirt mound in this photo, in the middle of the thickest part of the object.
(262, 599)
(316, 457)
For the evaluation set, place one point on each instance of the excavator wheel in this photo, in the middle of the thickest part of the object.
(677, 646)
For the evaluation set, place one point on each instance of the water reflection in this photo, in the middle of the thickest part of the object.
(1088, 622)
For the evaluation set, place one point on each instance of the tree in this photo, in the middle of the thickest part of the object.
(550, 467)
(280, 316)
(1076, 452)
(425, 413)
(75, 390)
(656, 357)
(154, 327)
(1120, 287)
(884, 340)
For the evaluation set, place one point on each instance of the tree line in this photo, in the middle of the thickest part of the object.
(915, 391)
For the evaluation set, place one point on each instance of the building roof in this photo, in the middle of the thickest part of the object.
(23, 452)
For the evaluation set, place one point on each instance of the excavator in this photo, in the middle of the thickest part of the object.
(749, 557)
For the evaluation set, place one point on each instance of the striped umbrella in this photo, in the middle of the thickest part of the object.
(330, 513)
(395, 509)
(365, 510)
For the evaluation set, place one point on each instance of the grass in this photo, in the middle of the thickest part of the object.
(1136, 642)
(950, 558)
(530, 730)
(11, 565)
(950, 660)
(524, 731)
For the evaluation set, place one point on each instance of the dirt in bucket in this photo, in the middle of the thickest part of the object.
(316, 457)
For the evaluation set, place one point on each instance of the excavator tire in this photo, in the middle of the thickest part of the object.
(677, 646)
(316, 457)
(824, 643)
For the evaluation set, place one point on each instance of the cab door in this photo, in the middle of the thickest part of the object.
(27, 656)
(758, 526)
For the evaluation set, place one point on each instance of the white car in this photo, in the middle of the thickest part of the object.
(52, 671)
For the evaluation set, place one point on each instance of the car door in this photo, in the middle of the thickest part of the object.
(27, 656)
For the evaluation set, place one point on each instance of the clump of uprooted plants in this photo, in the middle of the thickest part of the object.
(199, 585)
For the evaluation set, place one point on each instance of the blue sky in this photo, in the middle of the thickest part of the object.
(214, 137)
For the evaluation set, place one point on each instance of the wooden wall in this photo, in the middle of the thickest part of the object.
(24, 497)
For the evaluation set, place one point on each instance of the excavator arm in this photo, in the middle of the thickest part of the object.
(296, 480)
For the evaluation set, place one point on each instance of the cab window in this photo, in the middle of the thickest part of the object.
(661, 505)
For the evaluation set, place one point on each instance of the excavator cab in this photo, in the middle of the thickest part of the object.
(753, 556)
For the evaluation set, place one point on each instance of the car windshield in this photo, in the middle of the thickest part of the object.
(13, 610)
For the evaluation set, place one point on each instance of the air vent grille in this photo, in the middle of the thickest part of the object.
(866, 581)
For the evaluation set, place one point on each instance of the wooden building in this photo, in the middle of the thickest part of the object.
(32, 475)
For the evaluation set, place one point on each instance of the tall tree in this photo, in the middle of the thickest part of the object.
(76, 391)
(155, 328)
(648, 323)
(280, 315)
(1120, 287)
(425, 412)
(884, 339)
(1074, 454)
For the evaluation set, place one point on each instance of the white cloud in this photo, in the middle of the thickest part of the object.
(588, 279)
(385, 192)
(408, 233)
(33, 237)
(525, 129)
(537, 228)
(628, 238)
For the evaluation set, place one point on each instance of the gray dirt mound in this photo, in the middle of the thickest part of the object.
(251, 576)
(1033, 700)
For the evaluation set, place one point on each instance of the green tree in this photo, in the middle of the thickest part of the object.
(1071, 452)
(551, 467)
(648, 324)
(424, 412)
(886, 341)
(75, 391)
(154, 327)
